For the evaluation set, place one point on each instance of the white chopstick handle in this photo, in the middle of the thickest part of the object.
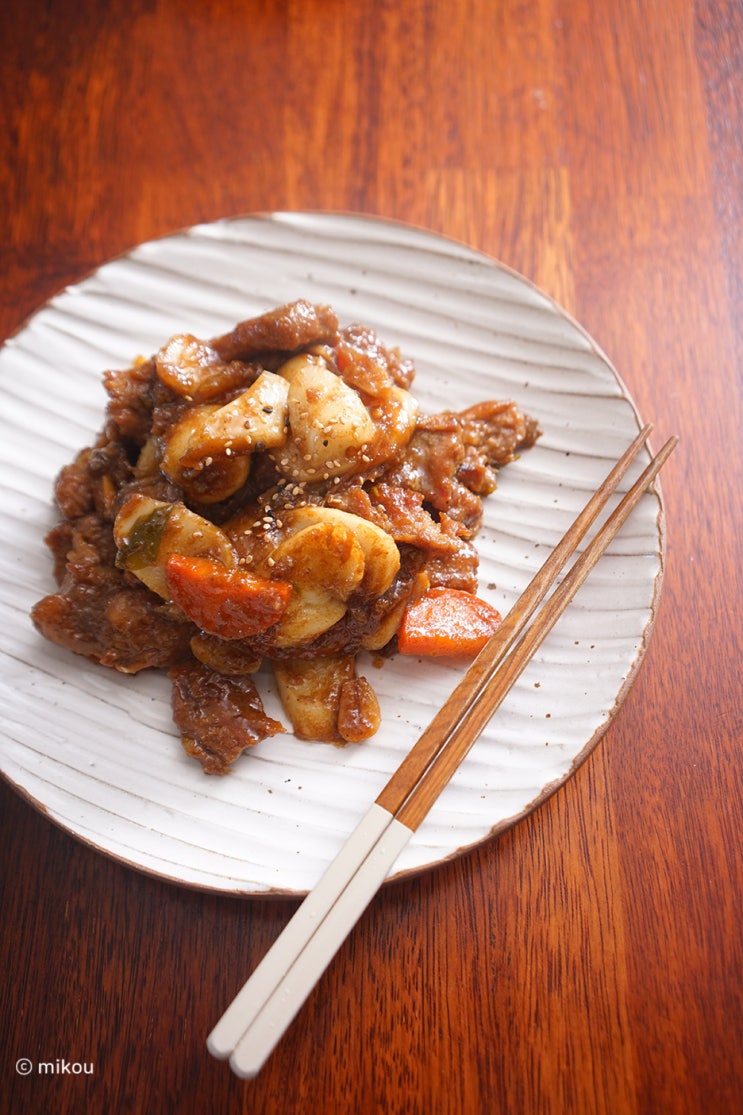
(261, 1037)
(307, 919)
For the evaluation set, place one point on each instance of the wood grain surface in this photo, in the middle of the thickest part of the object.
(590, 960)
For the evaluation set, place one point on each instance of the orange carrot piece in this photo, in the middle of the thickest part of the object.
(447, 621)
(230, 603)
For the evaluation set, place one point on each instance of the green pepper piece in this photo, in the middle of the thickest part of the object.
(143, 542)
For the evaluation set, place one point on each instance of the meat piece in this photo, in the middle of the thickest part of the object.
(452, 459)
(456, 570)
(88, 550)
(91, 481)
(117, 627)
(285, 329)
(407, 520)
(218, 717)
(493, 433)
(430, 462)
(77, 548)
(60, 541)
(368, 365)
(431, 466)
(73, 490)
(130, 400)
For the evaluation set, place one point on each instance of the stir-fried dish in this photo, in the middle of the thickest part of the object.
(274, 496)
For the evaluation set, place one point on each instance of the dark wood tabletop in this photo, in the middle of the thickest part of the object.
(590, 959)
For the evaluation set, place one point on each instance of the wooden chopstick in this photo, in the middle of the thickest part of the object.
(258, 1016)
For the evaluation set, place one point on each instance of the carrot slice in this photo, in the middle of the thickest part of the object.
(447, 621)
(230, 603)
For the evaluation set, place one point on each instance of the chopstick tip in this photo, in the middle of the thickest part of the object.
(218, 1049)
(243, 1072)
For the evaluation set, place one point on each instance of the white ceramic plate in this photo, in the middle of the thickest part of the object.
(97, 751)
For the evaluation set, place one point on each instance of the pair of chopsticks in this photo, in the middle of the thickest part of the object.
(257, 1018)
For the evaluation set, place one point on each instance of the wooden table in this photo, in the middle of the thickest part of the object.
(590, 960)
